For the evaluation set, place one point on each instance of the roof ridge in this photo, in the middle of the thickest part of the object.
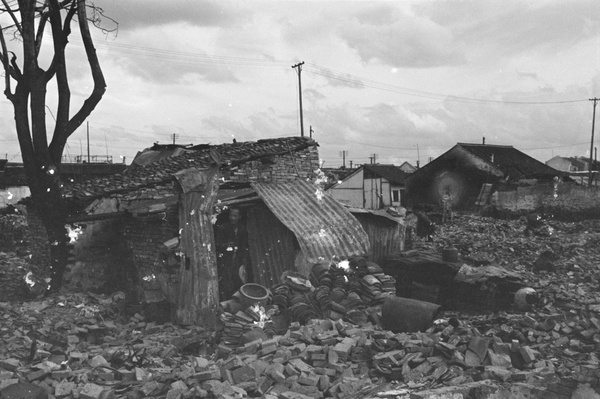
(486, 145)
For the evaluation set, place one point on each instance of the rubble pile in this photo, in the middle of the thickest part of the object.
(82, 346)
(353, 290)
(13, 231)
(13, 271)
(511, 244)
(320, 336)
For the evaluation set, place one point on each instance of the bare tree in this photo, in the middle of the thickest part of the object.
(26, 84)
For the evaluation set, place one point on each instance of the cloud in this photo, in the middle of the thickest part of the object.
(527, 75)
(380, 128)
(133, 14)
(509, 28)
(531, 128)
(258, 125)
(155, 60)
(388, 35)
(337, 79)
(313, 95)
(170, 71)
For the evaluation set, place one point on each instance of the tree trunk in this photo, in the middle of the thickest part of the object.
(50, 207)
(42, 161)
(198, 296)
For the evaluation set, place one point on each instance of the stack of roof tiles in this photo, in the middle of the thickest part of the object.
(161, 171)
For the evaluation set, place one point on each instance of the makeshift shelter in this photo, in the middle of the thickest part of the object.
(162, 215)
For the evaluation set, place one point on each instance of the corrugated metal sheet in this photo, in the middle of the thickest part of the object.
(385, 232)
(323, 226)
(271, 245)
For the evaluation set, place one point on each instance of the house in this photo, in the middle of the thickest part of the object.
(335, 175)
(144, 228)
(472, 172)
(371, 186)
(407, 167)
(568, 164)
(578, 168)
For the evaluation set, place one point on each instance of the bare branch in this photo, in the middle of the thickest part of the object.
(12, 12)
(97, 19)
(15, 72)
(59, 65)
(60, 137)
(40, 31)
(7, 89)
(63, 32)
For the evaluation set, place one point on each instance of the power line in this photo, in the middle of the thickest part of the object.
(186, 57)
(231, 61)
(360, 81)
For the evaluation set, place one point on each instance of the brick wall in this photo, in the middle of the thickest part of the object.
(277, 169)
(573, 201)
(524, 198)
(156, 280)
(99, 258)
(562, 199)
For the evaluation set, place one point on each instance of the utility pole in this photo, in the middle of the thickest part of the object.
(299, 66)
(88, 141)
(174, 136)
(311, 131)
(343, 155)
(595, 100)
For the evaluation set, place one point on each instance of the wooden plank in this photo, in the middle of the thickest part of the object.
(198, 295)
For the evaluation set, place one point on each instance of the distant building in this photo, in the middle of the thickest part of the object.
(371, 186)
(569, 164)
(472, 172)
(407, 167)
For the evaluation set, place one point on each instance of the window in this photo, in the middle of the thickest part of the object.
(395, 195)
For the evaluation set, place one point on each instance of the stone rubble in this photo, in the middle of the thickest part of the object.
(88, 346)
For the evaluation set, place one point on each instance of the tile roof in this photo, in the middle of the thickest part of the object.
(512, 162)
(161, 171)
(392, 173)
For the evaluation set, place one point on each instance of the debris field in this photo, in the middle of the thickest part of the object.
(84, 345)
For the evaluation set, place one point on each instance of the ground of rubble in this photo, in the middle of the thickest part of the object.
(85, 345)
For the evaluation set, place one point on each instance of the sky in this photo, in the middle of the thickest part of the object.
(382, 81)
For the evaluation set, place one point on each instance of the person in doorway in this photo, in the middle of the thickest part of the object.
(232, 255)
(447, 207)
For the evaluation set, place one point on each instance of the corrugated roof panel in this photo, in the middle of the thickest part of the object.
(323, 226)
(386, 234)
(271, 246)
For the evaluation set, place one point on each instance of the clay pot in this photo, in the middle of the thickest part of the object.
(253, 294)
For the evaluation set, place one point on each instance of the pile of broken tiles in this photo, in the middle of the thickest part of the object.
(82, 355)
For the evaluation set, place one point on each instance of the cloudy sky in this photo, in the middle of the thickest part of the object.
(395, 80)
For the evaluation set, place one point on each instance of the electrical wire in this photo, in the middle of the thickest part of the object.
(360, 81)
